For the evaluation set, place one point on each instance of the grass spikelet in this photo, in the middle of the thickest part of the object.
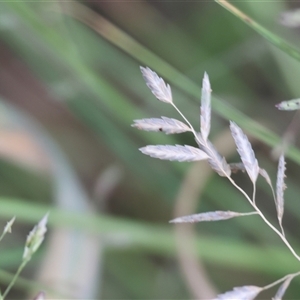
(289, 105)
(156, 84)
(40, 296)
(280, 187)
(242, 293)
(266, 176)
(217, 215)
(175, 153)
(245, 151)
(282, 289)
(215, 160)
(290, 18)
(35, 238)
(205, 109)
(166, 125)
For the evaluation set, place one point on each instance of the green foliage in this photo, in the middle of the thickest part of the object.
(83, 85)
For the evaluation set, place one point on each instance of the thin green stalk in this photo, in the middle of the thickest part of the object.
(268, 35)
(21, 267)
(1, 238)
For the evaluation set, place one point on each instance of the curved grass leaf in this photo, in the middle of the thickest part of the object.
(268, 35)
(157, 239)
(130, 46)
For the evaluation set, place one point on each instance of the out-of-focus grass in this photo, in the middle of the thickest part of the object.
(91, 75)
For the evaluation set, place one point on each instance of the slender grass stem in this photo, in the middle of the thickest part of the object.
(186, 120)
(282, 236)
(254, 193)
(282, 229)
(1, 237)
(21, 267)
(280, 280)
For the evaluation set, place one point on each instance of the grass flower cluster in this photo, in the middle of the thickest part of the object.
(207, 151)
(33, 242)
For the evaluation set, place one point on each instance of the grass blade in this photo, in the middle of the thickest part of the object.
(272, 38)
(133, 48)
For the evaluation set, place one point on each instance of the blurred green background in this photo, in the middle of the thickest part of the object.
(70, 88)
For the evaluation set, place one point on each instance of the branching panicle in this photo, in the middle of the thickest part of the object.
(207, 151)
